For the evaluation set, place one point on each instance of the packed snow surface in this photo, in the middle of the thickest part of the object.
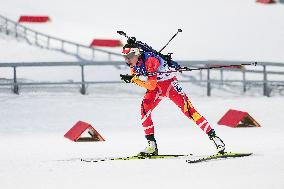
(34, 153)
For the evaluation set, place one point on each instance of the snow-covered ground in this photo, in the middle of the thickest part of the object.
(35, 155)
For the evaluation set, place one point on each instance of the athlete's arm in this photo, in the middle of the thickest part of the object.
(132, 72)
(152, 64)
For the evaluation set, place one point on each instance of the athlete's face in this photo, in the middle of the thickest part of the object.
(131, 60)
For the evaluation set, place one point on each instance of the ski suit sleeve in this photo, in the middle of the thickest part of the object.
(152, 64)
(132, 71)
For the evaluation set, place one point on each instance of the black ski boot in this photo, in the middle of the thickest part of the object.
(220, 145)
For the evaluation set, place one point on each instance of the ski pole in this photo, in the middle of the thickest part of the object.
(179, 30)
(203, 68)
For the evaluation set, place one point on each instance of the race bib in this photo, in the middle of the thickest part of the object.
(177, 87)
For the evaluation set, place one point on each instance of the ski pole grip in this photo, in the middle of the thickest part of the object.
(121, 33)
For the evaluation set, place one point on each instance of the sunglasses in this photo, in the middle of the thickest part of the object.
(129, 56)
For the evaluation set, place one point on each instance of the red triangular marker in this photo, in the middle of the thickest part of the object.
(79, 128)
(235, 118)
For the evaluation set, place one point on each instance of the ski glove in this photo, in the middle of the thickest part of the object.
(126, 78)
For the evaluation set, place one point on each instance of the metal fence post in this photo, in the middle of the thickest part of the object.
(62, 45)
(36, 40)
(48, 42)
(93, 54)
(15, 84)
(16, 30)
(109, 56)
(77, 49)
(200, 75)
(25, 33)
(6, 27)
(208, 83)
(265, 92)
(83, 88)
(244, 81)
(222, 76)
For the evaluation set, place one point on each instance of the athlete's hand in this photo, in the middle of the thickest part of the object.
(126, 78)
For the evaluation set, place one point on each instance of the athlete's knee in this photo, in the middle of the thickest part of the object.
(146, 118)
(147, 102)
(149, 130)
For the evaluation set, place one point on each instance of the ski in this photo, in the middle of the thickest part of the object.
(218, 156)
(135, 158)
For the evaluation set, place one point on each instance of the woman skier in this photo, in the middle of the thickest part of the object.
(160, 85)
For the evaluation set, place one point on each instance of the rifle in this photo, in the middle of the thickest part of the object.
(168, 57)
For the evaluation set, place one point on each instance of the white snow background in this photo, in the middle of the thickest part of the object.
(35, 155)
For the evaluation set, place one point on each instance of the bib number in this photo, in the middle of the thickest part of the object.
(177, 87)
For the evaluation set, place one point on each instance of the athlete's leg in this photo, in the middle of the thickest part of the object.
(150, 101)
(181, 100)
(177, 95)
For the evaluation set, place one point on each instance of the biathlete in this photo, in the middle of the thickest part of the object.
(160, 85)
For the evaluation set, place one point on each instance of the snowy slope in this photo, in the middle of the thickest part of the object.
(220, 29)
(13, 50)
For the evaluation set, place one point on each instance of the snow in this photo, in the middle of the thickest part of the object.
(219, 30)
(34, 153)
(20, 51)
